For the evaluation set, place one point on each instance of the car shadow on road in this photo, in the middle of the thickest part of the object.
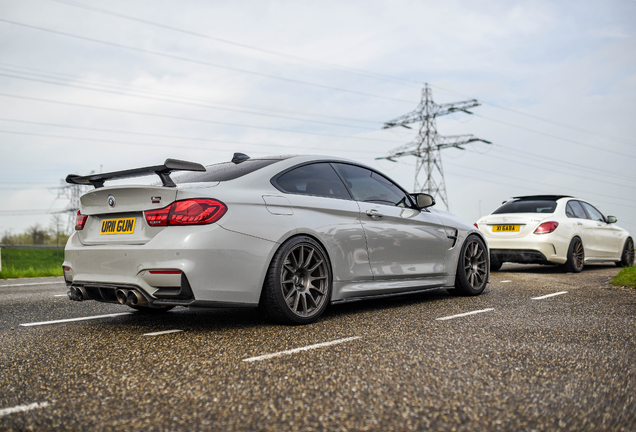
(246, 318)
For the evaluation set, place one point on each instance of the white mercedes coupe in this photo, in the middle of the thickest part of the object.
(554, 229)
(289, 234)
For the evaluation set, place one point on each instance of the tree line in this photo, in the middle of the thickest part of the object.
(55, 234)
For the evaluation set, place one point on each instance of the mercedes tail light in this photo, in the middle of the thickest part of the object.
(80, 221)
(546, 227)
(197, 211)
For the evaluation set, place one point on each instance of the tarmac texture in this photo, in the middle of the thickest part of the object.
(520, 362)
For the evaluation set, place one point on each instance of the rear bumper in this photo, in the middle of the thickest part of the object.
(533, 249)
(221, 267)
(519, 256)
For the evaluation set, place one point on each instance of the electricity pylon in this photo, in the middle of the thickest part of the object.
(428, 144)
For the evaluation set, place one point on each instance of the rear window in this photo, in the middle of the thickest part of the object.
(527, 206)
(223, 171)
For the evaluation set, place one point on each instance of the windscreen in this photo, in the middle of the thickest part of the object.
(527, 206)
(223, 172)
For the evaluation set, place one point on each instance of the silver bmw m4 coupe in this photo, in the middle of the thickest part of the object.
(289, 234)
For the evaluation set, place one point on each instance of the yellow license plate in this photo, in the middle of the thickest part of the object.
(118, 226)
(505, 228)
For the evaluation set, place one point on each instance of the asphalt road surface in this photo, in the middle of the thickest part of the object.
(539, 350)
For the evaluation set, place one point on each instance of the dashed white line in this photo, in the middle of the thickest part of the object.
(295, 350)
(59, 295)
(465, 314)
(29, 284)
(162, 332)
(74, 319)
(23, 408)
(506, 281)
(549, 295)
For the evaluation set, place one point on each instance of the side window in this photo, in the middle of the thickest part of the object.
(594, 214)
(369, 186)
(316, 179)
(575, 208)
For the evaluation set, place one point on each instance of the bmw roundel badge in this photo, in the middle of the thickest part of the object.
(111, 201)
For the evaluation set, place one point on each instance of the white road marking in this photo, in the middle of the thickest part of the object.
(74, 319)
(295, 350)
(506, 281)
(30, 284)
(162, 332)
(23, 408)
(465, 314)
(549, 295)
(59, 295)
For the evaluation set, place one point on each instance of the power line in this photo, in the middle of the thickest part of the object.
(361, 72)
(295, 118)
(355, 71)
(177, 147)
(568, 164)
(182, 102)
(201, 62)
(62, 76)
(551, 185)
(551, 169)
(576, 128)
(554, 136)
(190, 119)
(539, 157)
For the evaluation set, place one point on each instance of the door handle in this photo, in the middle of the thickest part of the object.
(374, 214)
(579, 223)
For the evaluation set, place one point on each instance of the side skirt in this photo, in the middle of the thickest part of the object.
(394, 294)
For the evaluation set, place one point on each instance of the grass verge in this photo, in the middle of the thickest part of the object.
(627, 277)
(26, 263)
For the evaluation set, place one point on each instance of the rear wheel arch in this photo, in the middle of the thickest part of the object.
(575, 255)
(296, 292)
(473, 269)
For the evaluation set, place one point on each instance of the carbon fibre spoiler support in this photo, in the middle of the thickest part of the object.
(163, 171)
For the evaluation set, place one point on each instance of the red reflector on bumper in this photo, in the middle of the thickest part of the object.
(165, 272)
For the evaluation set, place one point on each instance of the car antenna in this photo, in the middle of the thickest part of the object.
(239, 157)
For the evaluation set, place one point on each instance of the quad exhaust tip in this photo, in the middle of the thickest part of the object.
(77, 294)
(122, 296)
(131, 298)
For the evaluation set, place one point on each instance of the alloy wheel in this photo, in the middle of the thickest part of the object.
(578, 254)
(475, 264)
(629, 253)
(304, 280)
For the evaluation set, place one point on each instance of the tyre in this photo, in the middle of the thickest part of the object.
(627, 258)
(298, 283)
(576, 256)
(495, 264)
(472, 267)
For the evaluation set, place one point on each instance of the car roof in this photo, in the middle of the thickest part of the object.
(542, 197)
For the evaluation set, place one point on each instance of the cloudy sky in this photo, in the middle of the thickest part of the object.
(103, 86)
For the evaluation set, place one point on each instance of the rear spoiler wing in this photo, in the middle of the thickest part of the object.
(163, 171)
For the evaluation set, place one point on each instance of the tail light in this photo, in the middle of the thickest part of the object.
(80, 221)
(546, 227)
(187, 212)
(476, 226)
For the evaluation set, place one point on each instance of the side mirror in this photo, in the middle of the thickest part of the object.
(423, 200)
(612, 219)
